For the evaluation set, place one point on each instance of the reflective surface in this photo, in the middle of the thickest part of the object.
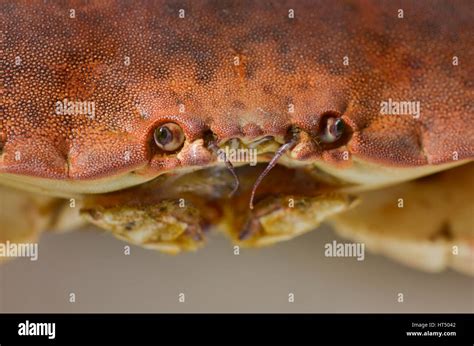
(93, 266)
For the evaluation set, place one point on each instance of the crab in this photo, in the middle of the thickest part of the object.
(143, 119)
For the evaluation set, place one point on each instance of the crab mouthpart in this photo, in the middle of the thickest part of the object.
(283, 149)
(219, 153)
(174, 213)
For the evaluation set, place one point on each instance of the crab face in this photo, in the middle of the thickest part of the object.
(101, 102)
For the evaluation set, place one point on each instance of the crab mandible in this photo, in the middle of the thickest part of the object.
(129, 112)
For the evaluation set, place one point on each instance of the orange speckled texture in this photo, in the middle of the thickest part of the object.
(138, 62)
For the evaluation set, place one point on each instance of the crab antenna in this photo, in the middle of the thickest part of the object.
(215, 149)
(285, 147)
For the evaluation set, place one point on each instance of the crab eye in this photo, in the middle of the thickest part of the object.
(332, 130)
(169, 137)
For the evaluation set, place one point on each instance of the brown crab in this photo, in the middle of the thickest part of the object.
(133, 115)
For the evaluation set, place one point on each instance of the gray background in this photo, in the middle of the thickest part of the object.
(94, 267)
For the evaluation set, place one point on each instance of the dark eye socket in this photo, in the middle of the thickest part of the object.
(335, 127)
(163, 135)
(332, 129)
(339, 126)
(169, 136)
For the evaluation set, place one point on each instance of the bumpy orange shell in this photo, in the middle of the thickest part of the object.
(242, 69)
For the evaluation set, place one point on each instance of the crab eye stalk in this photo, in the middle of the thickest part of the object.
(169, 137)
(332, 130)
